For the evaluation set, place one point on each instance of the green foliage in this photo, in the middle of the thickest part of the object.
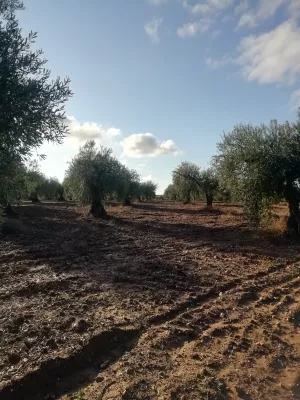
(147, 190)
(12, 182)
(190, 181)
(34, 180)
(259, 164)
(7, 7)
(31, 106)
(93, 173)
(129, 185)
(51, 189)
(171, 192)
(185, 178)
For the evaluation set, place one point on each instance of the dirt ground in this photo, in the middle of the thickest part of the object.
(161, 301)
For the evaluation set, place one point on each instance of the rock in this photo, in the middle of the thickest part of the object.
(99, 378)
(14, 358)
(80, 326)
(51, 343)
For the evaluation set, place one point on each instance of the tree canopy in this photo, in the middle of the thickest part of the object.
(260, 164)
(188, 179)
(94, 174)
(32, 106)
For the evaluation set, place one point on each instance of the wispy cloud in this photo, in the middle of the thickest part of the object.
(215, 64)
(157, 2)
(272, 57)
(210, 6)
(265, 9)
(152, 29)
(241, 7)
(191, 29)
(295, 100)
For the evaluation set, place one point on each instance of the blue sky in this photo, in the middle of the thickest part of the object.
(160, 80)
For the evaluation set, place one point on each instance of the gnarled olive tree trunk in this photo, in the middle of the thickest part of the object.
(127, 201)
(34, 197)
(97, 209)
(8, 210)
(291, 195)
(188, 198)
(209, 199)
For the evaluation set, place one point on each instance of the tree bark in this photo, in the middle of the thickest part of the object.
(97, 210)
(209, 199)
(126, 202)
(188, 198)
(293, 222)
(8, 210)
(34, 197)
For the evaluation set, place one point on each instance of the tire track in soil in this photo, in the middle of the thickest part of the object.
(217, 328)
(59, 376)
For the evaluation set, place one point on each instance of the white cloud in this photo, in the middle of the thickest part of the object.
(265, 9)
(215, 64)
(272, 57)
(157, 2)
(294, 7)
(80, 132)
(295, 100)
(152, 29)
(210, 6)
(191, 29)
(201, 8)
(147, 145)
(241, 7)
(147, 178)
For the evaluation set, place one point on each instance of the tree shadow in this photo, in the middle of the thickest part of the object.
(228, 239)
(64, 236)
(133, 257)
(172, 210)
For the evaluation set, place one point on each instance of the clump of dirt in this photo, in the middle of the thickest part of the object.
(294, 315)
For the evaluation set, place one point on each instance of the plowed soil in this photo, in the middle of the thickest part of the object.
(160, 301)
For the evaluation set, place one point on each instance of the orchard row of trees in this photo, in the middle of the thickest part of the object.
(95, 175)
(32, 111)
(257, 165)
(190, 183)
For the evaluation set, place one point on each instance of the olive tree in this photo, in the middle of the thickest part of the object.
(92, 175)
(182, 181)
(189, 178)
(51, 189)
(31, 104)
(171, 192)
(261, 163)
(147, 190)
(34, 179)
(129, 185)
